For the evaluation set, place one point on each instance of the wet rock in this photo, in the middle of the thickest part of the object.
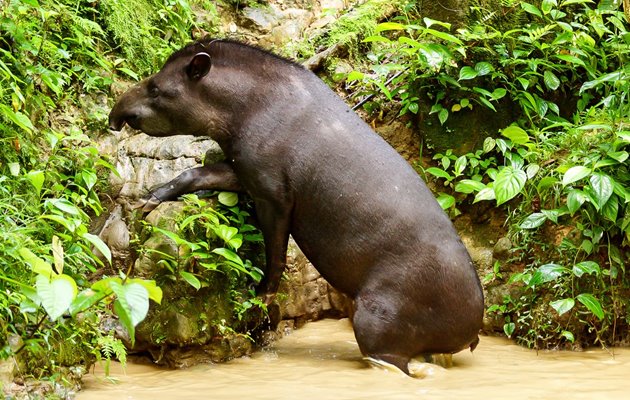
(261, 18)
(502, 248)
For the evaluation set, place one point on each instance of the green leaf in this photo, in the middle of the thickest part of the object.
(467, 73)
(551, 80)
(488, 144)
(485, 194)
(84, 300)
(124, 316)
(37, 179)
(515, 134)
(444, 36)
(533, 221)
(191, 279)
(545, 183)
(428, 22)
(38, 265)
(65, 206)
(568, 335)
(509, 328)
(563, 305)
(228, 254)
(575, 199)
(586, 267)
(469, 186)
(569, 2)
(508, 183)
(592, 304)
(445, 201)
(460, 165)
(498, 93)
(575, 174)
(155, 293)
(229, 199)
(546, 273)
(570, 59)
(602, 186)
(532, 170)
(440, 173)
(443, 116)
(547, 6)
(389, 26)
(99, 244)
(373, 39)
(483, 68)
(57, 250)
(531, 9)
(134, 299)
(56, 294)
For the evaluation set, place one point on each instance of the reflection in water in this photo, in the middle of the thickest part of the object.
(322, 361)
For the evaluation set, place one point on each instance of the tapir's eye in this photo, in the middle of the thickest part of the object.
(153, 91)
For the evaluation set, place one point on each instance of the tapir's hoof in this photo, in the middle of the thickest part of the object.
(147, 203)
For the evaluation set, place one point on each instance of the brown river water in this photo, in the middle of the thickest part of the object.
(322, 361)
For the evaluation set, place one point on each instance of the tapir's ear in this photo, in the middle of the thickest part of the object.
(199, 66)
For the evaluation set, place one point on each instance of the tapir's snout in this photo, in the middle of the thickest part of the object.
(127, 109)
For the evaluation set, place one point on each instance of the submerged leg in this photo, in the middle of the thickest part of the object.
(379, 336)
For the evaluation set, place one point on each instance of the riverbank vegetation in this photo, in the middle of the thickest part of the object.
(559, 168)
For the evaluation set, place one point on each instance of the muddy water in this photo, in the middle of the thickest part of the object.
(322, 361)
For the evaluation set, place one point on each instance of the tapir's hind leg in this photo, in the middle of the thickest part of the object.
(378, 334)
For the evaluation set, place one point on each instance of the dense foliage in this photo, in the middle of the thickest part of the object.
(560, 169)
(58, 60)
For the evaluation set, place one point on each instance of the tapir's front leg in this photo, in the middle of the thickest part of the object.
(219, 176)
(274, 222)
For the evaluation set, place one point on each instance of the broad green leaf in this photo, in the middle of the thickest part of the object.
(570, 59)
(568, 335)
(37, 179)
(551, 80)
(229, 199)
(443, 116)
(575, 199)
(575, 174)
(389, 26)
(532, 170)
(602, 186)
(444, 36)
(440, 173)
(483, 68)
(547, 6)
(191, 279)
(56, 294)
(460, 165)
(65, 206)
(428, 22)
(515, 134)
(563, 305)
(486, 103)
(123, 312)
(569, 2)
(508, 183)
(586, 267)
(509, 328)
(488, 144)
(134, 298)
(546, 273)
(545, 183)
(99, 244)
(155, 293)
(592, 304)
(84, 300)
(373, 39)
(228, 254)
(611, 209)
(467, 73)
(445, 201)
(469, 186)
(533, 221)
(226, 232)
(498, 93)
(485, 194)
(531, 9)
(619, 156)
(38, 265)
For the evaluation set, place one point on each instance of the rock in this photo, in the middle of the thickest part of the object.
(8, 369)
(261, 18)
(502, 248)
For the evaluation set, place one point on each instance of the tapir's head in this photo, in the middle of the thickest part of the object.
(169, 102)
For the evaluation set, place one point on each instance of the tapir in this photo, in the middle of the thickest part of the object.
(315, 170)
